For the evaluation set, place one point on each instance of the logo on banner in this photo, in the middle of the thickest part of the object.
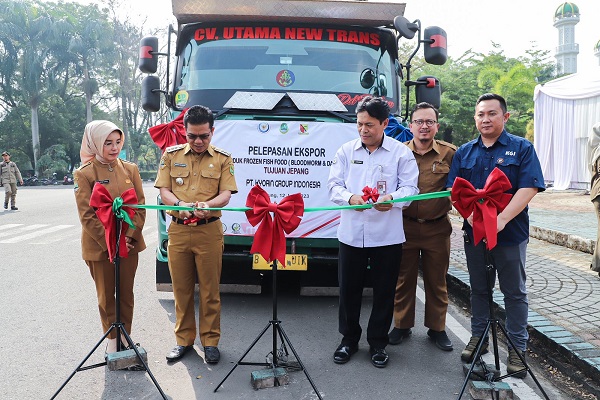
(303, 129)
(285, 78)
(236, 228)
(284, 128)
(263, 127)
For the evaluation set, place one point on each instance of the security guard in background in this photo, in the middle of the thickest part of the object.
(198, 175)
(9, 174)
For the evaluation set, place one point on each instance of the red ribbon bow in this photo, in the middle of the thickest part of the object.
(269, 239)
(369, 193)
(103, 204)
(169, 134)
(485, 204)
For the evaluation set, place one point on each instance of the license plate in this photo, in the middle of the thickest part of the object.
(293, 262)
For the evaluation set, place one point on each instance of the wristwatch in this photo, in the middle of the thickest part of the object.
(177, 203)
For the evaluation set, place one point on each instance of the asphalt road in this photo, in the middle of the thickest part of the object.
(49, 322)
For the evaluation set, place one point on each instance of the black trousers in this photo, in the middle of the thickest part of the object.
(384, 263)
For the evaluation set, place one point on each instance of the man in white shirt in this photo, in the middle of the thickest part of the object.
(370, 237)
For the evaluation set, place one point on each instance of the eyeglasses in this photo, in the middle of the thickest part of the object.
(420, 122)
(193, 138)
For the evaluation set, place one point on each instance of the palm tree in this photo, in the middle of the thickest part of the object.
(26, 35)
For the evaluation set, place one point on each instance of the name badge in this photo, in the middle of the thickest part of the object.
(356, 162)
(179, 165)
(104, 182)
(381, 187)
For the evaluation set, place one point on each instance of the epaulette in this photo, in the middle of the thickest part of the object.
(128, 162)
(218, 150)
(171, 149)
(85, 165)
(443, 143)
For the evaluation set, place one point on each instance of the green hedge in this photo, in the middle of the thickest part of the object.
(148, 175)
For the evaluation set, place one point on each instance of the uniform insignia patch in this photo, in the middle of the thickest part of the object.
(174, 148)
(231, 169)
(218, 150)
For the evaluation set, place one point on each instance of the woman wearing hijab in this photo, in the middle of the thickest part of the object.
(594, 165)
(100, 148)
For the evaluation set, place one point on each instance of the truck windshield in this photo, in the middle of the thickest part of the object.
(287, 64)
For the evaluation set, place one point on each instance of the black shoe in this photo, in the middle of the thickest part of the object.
(441, 339)
(5, 206)
(379, 357)
(211, 354)
(343, 353)
(177, 352)
(13, 208)
(397, 335)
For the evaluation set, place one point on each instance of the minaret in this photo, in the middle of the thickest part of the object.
(597, 51)
(565, 19)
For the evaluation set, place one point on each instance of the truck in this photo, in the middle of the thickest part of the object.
(283, 78)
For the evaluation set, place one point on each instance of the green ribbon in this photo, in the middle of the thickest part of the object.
(418, 197)
(117, 208)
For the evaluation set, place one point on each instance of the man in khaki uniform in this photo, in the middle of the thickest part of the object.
(9, 174)
(199, 175)
(427, 230)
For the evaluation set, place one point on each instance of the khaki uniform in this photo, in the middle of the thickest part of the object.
(594, 167)
(9, 176)
(196, 251)
(427, 229)
(117, 178)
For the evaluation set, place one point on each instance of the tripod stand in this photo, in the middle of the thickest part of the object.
(493, 324)
(117, 325)
(277, 330)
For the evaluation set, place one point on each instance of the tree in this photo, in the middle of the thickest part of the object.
(465, 78)
(27, 33)
(92, 50)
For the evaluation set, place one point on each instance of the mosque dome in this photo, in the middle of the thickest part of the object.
(566, 10)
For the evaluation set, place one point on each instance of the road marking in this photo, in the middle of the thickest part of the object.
(520, 387)
(35, 234)
(12, 229)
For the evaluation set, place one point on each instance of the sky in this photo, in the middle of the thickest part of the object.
(516, 25)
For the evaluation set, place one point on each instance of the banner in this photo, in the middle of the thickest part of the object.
(283, 157)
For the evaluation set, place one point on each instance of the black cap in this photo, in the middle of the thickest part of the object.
(6, 153)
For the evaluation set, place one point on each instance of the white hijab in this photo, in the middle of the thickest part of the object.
(94, 136)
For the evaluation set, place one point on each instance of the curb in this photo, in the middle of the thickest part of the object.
(572, 242)
(583, 355)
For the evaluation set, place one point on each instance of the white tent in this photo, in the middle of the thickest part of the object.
(565, 111)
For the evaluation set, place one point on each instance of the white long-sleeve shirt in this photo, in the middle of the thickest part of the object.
(354, 168)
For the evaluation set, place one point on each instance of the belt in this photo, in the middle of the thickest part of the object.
(199, 222)
(424, 221)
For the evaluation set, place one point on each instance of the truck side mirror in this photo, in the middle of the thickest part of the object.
(148, 59)
(428, 90)
(405, 28)
(436, 47)
(367, 78)
(151, 93)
